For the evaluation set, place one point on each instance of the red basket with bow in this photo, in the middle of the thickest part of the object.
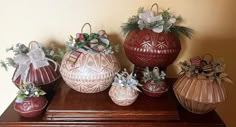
(35, 67)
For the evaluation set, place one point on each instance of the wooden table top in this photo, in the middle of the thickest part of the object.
(70, 108)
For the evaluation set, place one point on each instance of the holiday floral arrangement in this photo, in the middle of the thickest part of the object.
(155, 76)
(21, 49)
(30, 100)
(154, 83)
(28, 90)
(126, 80)
(93, 42)
(33, 63)
(124, 90)
(163, 21)
(213, 69)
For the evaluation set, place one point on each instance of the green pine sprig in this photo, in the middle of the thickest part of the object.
(178, 30)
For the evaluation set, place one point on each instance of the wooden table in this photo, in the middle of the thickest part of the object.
(70, 108)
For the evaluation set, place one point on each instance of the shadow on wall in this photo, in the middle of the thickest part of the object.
(124, 62)
(218, 47)
(222, 48)
(173, 69)
(57, 44)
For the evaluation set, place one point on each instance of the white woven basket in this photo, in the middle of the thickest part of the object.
(91, 73)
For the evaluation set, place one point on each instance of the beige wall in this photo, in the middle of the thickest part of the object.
(51, 21)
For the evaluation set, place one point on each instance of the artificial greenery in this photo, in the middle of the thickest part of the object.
(85, 42)
(28, 90)
(52, 52)
(166, 21)
(155, 76)
(210, 69)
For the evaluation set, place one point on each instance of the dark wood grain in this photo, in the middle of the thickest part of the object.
(71, 105)
(70, 108)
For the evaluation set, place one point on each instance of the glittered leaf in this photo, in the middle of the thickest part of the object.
(9, 49)
(141, 10)
(71, 38)
(222, 75)
(136, 88)
(51, 53)
(11, 62)
(61, 53)
(4, 65)
(228, 80)
(41, 93)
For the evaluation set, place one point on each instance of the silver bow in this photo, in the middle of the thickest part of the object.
(35, 56)
(125, 79)
(148, 17)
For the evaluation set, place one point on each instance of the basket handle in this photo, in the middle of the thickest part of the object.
(55, 63)
(90, 28)
(156, 68)
(207, 57)
(155, 4)
(33, 44)
(125, 74)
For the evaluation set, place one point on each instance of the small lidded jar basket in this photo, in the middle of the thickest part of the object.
(124, 90)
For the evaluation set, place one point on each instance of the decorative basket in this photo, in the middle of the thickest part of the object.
(153, 90)
(199, 95)
(30, 100)
(35, 67)
(91, 73)
(88, 72)
(199, 89)
(124, 89)
(153, 40)
(31, 107)
(154, 83)
(147, 48)
(123, 95)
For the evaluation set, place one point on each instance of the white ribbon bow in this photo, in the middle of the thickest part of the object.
(36, 56)
(149, 17)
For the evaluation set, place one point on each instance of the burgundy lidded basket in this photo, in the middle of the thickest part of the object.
(31, 107)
